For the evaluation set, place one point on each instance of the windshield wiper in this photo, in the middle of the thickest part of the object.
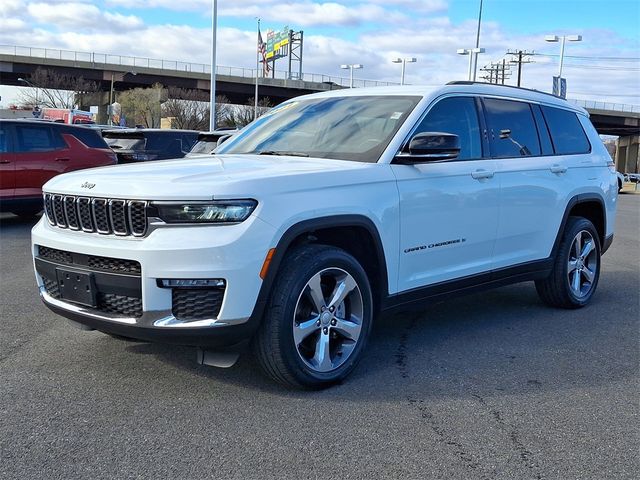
(283, 152)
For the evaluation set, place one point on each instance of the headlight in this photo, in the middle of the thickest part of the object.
(223, 211)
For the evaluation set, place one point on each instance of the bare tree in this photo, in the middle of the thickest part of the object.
(189, 109)
(241, 115)
(141, 106)
(48, 88)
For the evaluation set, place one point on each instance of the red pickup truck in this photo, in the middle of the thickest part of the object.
(32, 152)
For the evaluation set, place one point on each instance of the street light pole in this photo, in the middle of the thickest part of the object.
(562, 39)
(351, 67)
(212, 95)
(473, 59)
(477, 48)
(404, 61)
(24, 80)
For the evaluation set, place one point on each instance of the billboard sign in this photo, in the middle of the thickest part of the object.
(277, 44)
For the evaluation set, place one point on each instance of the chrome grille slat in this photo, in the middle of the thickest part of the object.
(102, 215)
(70, 212)
(138, 218)
(58, 211)
(48, 208)
(118, 217)
(84, 213)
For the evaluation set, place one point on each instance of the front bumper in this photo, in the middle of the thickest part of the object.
(233, 253)
(214, 335)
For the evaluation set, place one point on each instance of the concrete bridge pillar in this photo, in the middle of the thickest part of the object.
(628, 154)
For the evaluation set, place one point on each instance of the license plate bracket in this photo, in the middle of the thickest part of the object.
(77, 286)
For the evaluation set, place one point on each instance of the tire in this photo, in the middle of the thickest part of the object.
(576, 271)
(306, 340)
(27, 213)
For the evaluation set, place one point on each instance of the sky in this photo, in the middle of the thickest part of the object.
(604, 66)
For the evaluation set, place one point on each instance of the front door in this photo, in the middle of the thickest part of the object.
(448, 210)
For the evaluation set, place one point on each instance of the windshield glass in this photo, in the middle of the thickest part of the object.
(203, 147)
(342, 128)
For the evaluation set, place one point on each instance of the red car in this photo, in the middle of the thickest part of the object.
(32, 152)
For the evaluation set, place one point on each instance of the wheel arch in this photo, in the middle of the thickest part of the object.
(590, 206)
(356, 234)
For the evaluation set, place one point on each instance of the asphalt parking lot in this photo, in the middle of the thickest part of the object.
(489, 386)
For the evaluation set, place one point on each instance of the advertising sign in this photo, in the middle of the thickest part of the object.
(277, 43)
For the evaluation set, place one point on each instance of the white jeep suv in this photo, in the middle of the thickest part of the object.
(325, 211)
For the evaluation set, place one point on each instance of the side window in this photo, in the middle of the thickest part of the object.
(513, 130)
(567, 134)
(91, 138)
(35, 138)
(457, 115)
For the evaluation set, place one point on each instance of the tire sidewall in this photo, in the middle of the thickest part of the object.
(302, 273)
(580, 224)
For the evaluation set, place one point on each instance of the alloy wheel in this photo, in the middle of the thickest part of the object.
(328, 320)
(582, 264)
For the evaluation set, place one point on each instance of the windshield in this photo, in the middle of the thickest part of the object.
(355, 128)
(203, 147)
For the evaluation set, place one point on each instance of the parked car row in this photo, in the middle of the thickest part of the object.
(32, 152)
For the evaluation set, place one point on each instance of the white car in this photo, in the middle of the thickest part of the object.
(325, 211)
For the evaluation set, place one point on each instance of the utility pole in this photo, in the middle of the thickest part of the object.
(523, 57)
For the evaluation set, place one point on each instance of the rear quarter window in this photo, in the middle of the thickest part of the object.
(567, 134)
(89, 137)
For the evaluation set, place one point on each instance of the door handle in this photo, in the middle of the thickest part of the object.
(4, 161)
(64, 159)
(558, 168)
(480, 174)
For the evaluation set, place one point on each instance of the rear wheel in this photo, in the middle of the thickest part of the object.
(317, 320)
(577, 267)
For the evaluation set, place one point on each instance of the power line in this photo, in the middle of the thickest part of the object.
(579, 57)
(522, 57)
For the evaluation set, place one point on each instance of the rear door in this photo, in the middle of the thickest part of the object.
(533, 181)
(448, 210)
(40, 154)
(7, 162)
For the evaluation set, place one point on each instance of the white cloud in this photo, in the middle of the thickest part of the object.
(433, 39)
(74, 15)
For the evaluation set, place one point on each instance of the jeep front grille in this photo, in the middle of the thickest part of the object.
(102, 215)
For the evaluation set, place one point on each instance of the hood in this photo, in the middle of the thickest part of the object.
(208, 176)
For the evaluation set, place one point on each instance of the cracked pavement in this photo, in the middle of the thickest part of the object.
(489, 386)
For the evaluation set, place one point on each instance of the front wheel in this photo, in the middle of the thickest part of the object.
(317, 320)
(576, 271)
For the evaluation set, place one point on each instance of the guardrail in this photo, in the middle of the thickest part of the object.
(104, 59)
(615, 107)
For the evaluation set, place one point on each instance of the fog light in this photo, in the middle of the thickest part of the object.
(191, 282)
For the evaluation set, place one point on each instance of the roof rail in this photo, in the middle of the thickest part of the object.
(468, 82)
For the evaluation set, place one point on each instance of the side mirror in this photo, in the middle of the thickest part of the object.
(430, 147)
